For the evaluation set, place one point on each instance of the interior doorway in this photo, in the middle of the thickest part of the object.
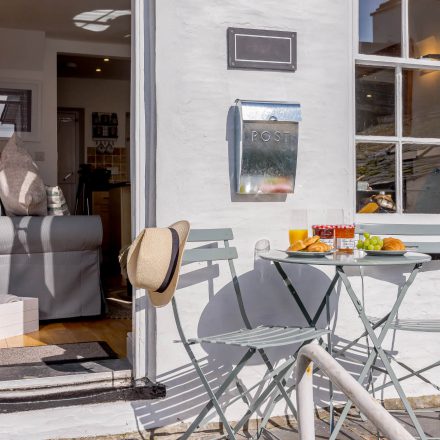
(85, 101)
(70, 137)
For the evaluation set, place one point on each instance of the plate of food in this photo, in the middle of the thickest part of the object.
(383, 253)
(310, 247)
(376, 246)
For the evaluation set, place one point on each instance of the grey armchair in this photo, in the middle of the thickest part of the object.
(55, 259)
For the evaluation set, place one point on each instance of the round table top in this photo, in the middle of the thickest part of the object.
(357, 258)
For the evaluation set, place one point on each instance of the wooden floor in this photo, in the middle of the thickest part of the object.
(112, 331)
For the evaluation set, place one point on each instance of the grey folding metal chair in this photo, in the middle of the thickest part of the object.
(252, 339)
(411, 324)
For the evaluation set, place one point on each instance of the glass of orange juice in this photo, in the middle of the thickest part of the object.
(297, 234)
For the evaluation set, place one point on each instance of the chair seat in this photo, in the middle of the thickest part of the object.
(263, 337)
(413, 324)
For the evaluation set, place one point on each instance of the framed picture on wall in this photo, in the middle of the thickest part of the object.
(20, 111)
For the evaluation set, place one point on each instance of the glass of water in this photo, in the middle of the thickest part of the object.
(261, 246)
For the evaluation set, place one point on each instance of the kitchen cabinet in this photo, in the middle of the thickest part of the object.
(101, 207)
(120, 214)
(114, 208)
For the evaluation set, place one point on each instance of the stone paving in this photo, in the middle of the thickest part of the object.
(354, 429)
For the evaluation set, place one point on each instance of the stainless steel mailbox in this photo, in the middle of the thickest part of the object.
(266, 142)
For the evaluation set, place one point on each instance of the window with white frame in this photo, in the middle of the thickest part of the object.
(15, 111)
(397, 87)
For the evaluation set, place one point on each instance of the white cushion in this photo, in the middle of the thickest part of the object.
(56, 202)
(22, 190)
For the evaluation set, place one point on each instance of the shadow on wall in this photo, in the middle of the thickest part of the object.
(267, 301)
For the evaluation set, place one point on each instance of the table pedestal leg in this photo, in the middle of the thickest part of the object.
(377, 341)
(325, 303)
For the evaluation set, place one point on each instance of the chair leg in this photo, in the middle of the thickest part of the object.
(279, 383)
(412, 372)
(283, 392)
(274, 401)
(213, 402)
(263, 396)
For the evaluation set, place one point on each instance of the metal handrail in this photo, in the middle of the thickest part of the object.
(377, 414)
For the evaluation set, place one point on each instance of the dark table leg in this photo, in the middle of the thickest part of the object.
(325, 304)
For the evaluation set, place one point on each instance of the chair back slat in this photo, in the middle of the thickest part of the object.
(427, 247)
(200, 235)
(209, 254)
(397, 229)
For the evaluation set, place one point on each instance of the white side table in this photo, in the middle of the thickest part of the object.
(18, 317)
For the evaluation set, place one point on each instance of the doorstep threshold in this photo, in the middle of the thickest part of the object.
(82, 374)
(97, 382)
(23, 376)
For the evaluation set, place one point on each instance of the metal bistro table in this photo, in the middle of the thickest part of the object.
(357, 259)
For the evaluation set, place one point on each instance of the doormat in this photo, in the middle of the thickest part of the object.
(56, 354)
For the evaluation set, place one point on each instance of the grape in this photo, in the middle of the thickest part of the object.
(360, 244)
(373, 241)
(380, 243)
(366, 235)
(377, 247)
(366, 243)
(371, 247)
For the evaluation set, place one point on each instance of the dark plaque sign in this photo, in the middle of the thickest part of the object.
(261, 49)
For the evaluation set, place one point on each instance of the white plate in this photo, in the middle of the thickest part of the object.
(386, 253)
(305, 254)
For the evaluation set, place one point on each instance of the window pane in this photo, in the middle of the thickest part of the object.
(421, 103)
(424, 29)
(15, 110)
(375, 178)
(375, 102)
(421, 179)
(380, 27)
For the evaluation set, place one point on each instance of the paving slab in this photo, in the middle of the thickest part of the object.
(355, 428)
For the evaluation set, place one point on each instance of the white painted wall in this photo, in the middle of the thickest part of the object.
(195, 92)
(30, 56)
(24, 58)
(96, 95)
(22, 49)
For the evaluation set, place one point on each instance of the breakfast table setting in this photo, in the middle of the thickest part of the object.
(336, 246)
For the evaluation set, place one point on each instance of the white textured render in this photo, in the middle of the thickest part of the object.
(195, 163)
(195, 158)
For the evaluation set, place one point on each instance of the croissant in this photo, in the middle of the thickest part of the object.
(311, 240)
(318, 247)
(393, 244)
(297, 246)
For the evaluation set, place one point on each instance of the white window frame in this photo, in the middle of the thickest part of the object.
(398, 140)
(142, 167)
(36, 108)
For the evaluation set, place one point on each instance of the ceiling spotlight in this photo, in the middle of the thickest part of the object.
(369, 95)
(98, 69)
(106, 60)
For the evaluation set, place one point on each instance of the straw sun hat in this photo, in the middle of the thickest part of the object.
(154, 260)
